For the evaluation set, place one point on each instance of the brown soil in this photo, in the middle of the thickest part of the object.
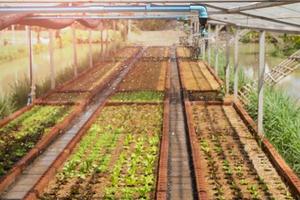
(196, 76)
(67, 97)
(156, 52)
(231, 171)
(183, 52)
(145, 76)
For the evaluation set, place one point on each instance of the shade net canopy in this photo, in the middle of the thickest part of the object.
(279, 16)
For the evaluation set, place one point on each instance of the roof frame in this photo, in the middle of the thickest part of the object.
(142, 1)
(258, 6)
(253, 16)
(266, 28)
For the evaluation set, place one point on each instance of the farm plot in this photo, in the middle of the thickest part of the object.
(102, 71)
(234, 166)
(116, 159)
(156, 53)
(198, 80)
(71, 97)
(145, 76)
(125, 53)
(138, 96)
(183, 52)
(21, 134)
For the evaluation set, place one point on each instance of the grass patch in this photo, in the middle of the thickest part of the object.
(281, 123)
(140, 96)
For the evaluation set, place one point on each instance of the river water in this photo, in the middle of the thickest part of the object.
(249, 59)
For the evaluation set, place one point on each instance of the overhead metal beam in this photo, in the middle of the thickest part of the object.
(258, 6)
(253, 16)
(141, 1)
(266, 27)
(112, 17)
(104, 9)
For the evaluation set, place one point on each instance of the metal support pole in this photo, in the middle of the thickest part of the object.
(129, 29)
(75, 64)
(13, 34)
(236, 63)
(101, 39)
(31, 96)
(216, 51)
(90, 49)
(216, 59)
(261, 74)
(227, 66)
(51, 58)
(203, 49)
(208, 44)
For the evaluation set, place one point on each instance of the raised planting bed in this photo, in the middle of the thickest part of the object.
(183, 52)
(65, 97)
(117, 157)
(125, 53)
(229, 162)
(199, 80)
(137, 97)
(145, 76)
(93, 79)
(22, 134)
(156, 53)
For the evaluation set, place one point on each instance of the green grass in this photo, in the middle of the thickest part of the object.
(281, 123)
(140, 96)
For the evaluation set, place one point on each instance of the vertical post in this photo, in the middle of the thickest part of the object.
(51, 58)
(203, 49)
(216, 59)
(236, 63)
(13, 34)
(32, 85)
(227, 67)
(216, 50)
(101, 40)
(129, 29)
(208, 44)
(261, 74)
(114, 31)
(75, 64)
(90, 49)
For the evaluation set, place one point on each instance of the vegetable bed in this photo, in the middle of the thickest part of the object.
(156, 52)
(138, 96)
(197, 77)
(233, 164)
(91, 80)
(116, 159)
(21, 134)
(183, 52)
(145, 76)
(67, 97)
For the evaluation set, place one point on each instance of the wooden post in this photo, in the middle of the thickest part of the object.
(261, 74)
(75, 63)
(227, 66)
(236, 63)
(208, 44)
(32, 84)
(51, 59)
(90, 49)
